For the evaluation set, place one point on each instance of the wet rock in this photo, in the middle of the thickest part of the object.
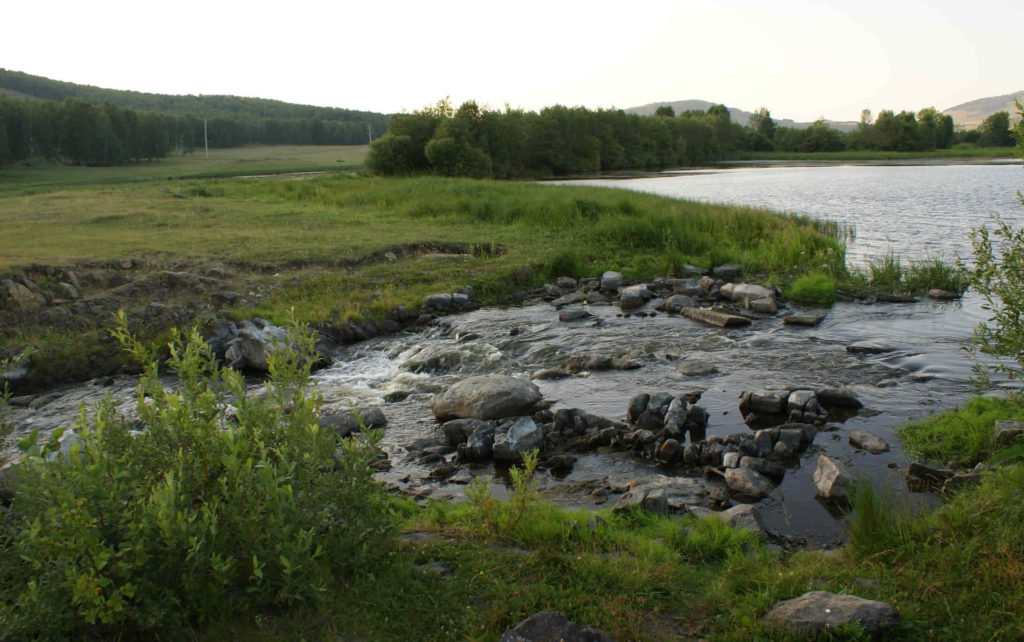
(731, 460)
(457, 431)
(689, 287)
(869, 442)
(764, 306)
(253, 343)
(552, 373)
(637, 405)
(830, 480)
(696, 369)
(567, 299)
(769, 469)
(566, 283)
(748, 482)
(771, 402)
(347, 422)
(868, 347)
(486, 397)
(819, 611)
(524, 435)
(595, 363)
(611, 281)
(764, 441)
(675, 417)
(838, 397)
(711, 317)
(803, 319)
(552, 626)
(576, 314)
(634, 297)
(438, 302)
(961, 481)
(676, 302)
(942, 295)
(668, 451)
(479, 445)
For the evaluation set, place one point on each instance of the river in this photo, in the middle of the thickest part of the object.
(915, 211)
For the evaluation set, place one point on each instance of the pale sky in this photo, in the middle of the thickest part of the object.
(801, 59)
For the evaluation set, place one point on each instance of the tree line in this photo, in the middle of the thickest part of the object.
(556, 141)
(77, 132)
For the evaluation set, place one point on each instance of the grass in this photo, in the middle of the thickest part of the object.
(962, 435)
(893, 275)
(812, 288)
(235, 161)
(851, 155)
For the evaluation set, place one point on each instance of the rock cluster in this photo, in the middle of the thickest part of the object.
(805, 405)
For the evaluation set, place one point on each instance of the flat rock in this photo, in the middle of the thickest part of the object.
(712, 317)
(869, 442)
(819, 610)
(748, 482)
(696, 369)
(804, 319)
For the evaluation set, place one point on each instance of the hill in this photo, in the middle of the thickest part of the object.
(971, 114)
(347, 126)
(738, 116)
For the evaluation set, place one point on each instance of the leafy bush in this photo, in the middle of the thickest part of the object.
(812, 288)
(216, 501)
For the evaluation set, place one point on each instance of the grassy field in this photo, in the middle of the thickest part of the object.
(235, 161)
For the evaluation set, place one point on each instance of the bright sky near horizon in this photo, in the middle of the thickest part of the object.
(801, 59)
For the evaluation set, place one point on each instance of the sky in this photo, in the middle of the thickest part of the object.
(800, 59)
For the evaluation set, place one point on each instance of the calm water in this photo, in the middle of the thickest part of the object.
(916, 211)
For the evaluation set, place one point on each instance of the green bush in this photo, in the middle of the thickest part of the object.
(216, 501)
(812, 288)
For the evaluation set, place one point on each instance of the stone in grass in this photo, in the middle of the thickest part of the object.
(818, 611)
(552, 626)
(831, 481)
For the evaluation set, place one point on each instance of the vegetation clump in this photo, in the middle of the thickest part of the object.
(216, 501)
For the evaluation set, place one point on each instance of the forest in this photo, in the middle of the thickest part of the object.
(28, 115)
(557, 141)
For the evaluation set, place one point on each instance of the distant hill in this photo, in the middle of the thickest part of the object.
(971, 114)
(738, 115)
(252, 111)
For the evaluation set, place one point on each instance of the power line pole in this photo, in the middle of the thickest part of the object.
(369, 134)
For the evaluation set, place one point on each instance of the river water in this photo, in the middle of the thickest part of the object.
(914, 211)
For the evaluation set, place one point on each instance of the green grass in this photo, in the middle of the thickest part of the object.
(40, 176)
(953, 153)
(812, 288)
(963, 435)
(894, 275)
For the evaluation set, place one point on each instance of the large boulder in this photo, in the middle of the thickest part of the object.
(254, 343)
(486, 397)
(868, 441)
(552, 626)
(665, 495)
(743, 292)
(817, 611)
(523, 436)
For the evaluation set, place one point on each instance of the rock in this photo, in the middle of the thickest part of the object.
(637, 405)
(524, 435)
(20, 297)
(552, 626)
(1007, 432)
(438, 302)
(746, 481)
(252, 345)
(675, 416)
(922, 477)
(727, 271)
(611, 281)
(457, 431)
(769, 469)
(568, 299)
(665, 495)
(689, 287)
(959, 482)
(819, 610)
(743, 516)
(668, 451)
(566, 283)
(803, 319)
(869, 442)
(576, 314)
(868, 347)
(354, 420)
(677, 302)
(552, 373)
(771, 402)
(479, 445)
(696, 369)
(711, 317)
(486, 397)
(799, 399)
(839, 397)
(942, 295)
(634, 297)
(69, 290)
(745, 292)
(731, 460)
(831, 481)
(595, 363)
(764, 306)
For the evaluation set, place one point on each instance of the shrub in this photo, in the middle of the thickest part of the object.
(812, 288)
(216, 501)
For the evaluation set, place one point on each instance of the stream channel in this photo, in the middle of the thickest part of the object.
(915, 211)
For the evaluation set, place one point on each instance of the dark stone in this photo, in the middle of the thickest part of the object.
(552, 626)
